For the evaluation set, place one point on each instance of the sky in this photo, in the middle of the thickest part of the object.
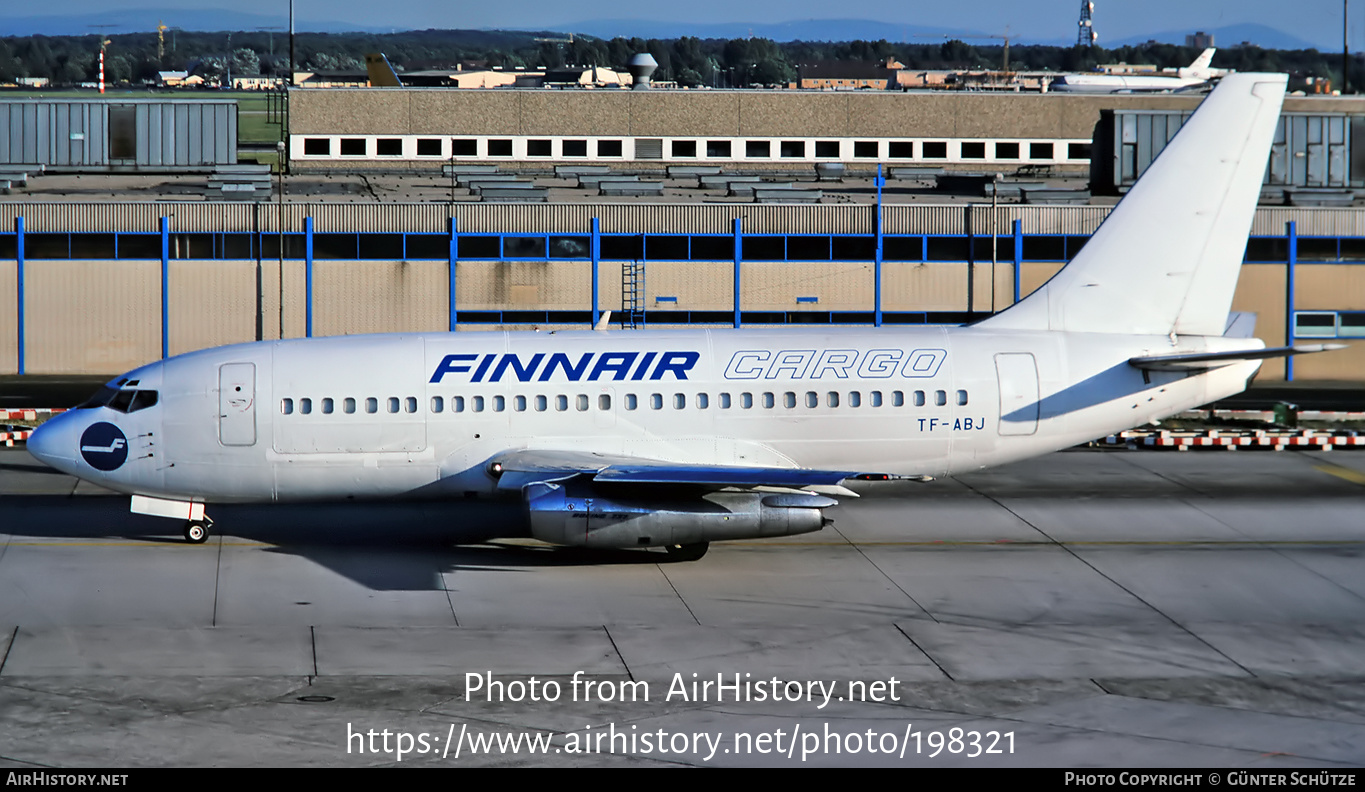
(1317, 21)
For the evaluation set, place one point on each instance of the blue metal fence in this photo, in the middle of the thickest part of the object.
(1015, 248)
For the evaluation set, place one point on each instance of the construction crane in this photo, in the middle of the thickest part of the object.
(161, 28)
(1005, 38)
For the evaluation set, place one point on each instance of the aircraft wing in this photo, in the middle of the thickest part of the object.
(517, 469)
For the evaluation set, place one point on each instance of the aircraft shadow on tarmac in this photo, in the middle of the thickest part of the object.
(385, 546)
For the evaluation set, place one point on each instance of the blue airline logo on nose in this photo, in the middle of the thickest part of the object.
(104, 447)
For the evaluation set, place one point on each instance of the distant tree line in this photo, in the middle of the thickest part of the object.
(133, 57)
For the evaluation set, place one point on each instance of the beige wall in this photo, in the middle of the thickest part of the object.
(722, 113)
(524, 285)
(91, 316)
(379, 297)
(775, 285)
(9, 325)
(212, 303)
(104, 316)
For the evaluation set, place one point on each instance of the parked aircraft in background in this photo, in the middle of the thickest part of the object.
(1196, 75)
(381, 72)
(676, 438)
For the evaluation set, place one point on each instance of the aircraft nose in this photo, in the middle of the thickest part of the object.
(54, 442)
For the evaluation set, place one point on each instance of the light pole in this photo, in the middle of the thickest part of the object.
(279, 150)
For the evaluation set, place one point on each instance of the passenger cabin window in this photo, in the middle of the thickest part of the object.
(327, 406)
(725, 401)
(582, 402)
(457, 404)
(679, 401)
(305, 406)
(372, 405)
(393, 404)
(437, 404)
(410, 404)
(897, 399)
(919, 398)
(561, 403)
(542, 403)
(656, 401)
(940, 398)
(287, 407)
(348, 406)
(631, 401)
(477, 403)
(604, 402)
(855, 399)
(961, 398)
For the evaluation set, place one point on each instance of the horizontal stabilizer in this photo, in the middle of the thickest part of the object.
(1203, 361)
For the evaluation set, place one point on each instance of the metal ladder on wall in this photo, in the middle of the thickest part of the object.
(632, 294)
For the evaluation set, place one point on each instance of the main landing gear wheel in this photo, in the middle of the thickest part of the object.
(688, 552)
(197, 531)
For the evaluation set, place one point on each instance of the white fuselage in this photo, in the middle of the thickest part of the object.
(1116, 83)
(420, 415)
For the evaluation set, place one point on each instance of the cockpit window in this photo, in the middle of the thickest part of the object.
(122, 400)
(101, 398)
(125, 401)
(143, 399)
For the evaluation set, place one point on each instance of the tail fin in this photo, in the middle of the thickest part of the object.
(1201, 64)
(381, 71)
(1166, 259)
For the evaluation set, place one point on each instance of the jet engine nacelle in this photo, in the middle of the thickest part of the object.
(560, 515)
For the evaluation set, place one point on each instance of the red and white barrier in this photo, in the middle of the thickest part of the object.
(1231, 441)
(30, 415)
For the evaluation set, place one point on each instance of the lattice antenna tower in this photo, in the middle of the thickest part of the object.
(1085, 32)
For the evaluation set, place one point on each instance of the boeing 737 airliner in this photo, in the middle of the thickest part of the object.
(677, 438)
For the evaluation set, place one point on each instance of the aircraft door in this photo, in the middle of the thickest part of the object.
(1018, 375)
(237, 404)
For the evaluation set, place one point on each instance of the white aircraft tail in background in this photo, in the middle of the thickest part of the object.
(1193, 77)
(676, 438)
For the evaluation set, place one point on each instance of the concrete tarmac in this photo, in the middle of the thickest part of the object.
(1091, 608)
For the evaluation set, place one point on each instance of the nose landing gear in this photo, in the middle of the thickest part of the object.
(197, 531)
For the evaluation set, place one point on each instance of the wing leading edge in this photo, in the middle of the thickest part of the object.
(517, 469)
